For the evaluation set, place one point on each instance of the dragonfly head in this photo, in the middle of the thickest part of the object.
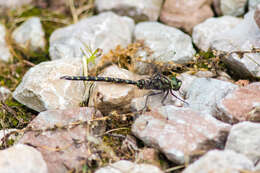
(175, 83)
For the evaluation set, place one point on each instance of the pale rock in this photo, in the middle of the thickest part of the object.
(185, 14)
(205, 74)
(136, 9)
(244, 139)
(64, 148)
(8, 132)
(243, 37)
(124, 166)
(4, 93)
(23, 159)
(109, 96)
(13, 3)
(180, 133)
(233, 7)
(41, 87)
(224, 76)
(240, 104)
(5, 54)
(204, 93)
(216, 7)
(216, 161)
(154, 101)
(187, 80)
(257, 168)
(104, 31)
(252, 4)
(30, 35)
(257, 15)
(206, 32)
(167, 44)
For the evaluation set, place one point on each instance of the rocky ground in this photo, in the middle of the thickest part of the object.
(51, 125)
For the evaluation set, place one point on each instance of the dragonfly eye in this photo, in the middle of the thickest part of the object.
(179, 83)
(176, 83)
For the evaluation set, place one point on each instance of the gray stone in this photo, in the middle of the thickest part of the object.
(221, 162)
(244, 138)
(64, 137)
(167, 43)
(240, 104)
(30, 35)
(252, 4)
(124, 166)
(243, 37)
(105, 31)
(233, 7)
(5, 54)
(42, 88)
(138, 10)
(205, 33)
(23, 159)
(204, 94)
(179, 132)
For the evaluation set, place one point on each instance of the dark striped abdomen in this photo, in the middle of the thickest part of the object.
(103, 79)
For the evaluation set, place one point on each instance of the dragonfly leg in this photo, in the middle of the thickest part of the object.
(149, 95)
(178, 97)
(164, 98)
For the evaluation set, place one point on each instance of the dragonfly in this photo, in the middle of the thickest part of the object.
(159, 82)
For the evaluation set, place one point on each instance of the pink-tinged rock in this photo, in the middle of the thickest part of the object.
(216, 161)
(64, 148)
(124, 166)
(185, 14)
(149, 155)
(244, 139)
(23, 159)
(180, 133)
(257, 16)
(138, 10)
(241, 105)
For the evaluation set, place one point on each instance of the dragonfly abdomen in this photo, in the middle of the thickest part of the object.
(103, 79)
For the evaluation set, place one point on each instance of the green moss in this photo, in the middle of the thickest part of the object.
(14, 115)
(206, 55)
